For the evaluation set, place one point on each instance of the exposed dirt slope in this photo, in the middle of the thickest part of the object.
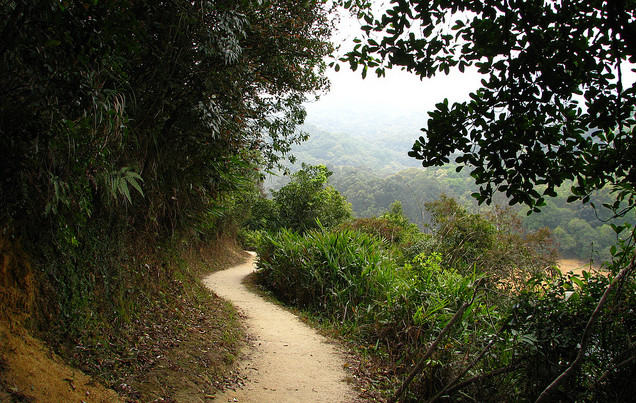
(576, 265)
(29, 371)
(178, 352)
(287, 361)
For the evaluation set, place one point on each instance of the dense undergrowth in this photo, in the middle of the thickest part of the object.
(520, 325)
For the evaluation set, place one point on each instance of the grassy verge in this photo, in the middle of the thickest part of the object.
(448, 334)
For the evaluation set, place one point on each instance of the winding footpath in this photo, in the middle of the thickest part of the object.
(287, 361)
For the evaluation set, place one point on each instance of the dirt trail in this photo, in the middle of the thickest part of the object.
(288, 361)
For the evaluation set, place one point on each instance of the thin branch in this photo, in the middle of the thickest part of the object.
(614, 367)
(431, 349)
(617, 366)
(575, 365)
(451, 385)
(480, 377)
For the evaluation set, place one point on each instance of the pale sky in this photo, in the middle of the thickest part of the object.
(399, 90)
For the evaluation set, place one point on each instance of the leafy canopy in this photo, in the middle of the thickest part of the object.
(308, 202)
(553, 105)
(157, 107)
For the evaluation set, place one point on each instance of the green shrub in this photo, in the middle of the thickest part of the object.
(307, 202)
(495, 243)
(551, 320)
(249, 239)
(378, 227)
(507, 346)
(400, 236)
(348, 278)
(323, 271)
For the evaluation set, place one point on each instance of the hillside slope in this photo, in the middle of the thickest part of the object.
(180, 350)
(30, 371)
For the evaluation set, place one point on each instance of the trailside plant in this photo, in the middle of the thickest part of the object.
(494, 242)
(394, 228)
(125, 129)
(322, 271)
(348, 278)
(462, 318)
(549, 319)
(308, 202)
(553, 106)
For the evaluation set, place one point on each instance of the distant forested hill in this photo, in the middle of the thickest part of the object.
(378, 152)
(372, 194)
(372, 170)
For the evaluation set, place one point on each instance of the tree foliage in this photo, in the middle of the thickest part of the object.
(552, 320)
(494, 243)
(308, 202)
(553, 105)
(171, 99)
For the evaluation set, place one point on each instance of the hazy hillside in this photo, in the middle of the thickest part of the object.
(382, 152)
(371, 169)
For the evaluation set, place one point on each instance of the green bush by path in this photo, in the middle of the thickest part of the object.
(549, 320)
(323, 271)
(348, 278)
(506, 346)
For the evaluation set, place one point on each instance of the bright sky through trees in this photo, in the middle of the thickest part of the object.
(399, 92)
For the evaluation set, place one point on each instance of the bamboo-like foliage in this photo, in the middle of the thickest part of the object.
(506, 345)
(147, 110)
(349, 278)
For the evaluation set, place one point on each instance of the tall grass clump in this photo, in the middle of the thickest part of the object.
(326, 272)
(348, 278)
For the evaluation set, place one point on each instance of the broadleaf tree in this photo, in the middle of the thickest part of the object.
(182, 94)
(138, 122)
(308, 202)
(553, 106)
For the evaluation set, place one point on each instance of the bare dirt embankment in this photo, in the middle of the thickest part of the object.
(30, 372)
(287, 361)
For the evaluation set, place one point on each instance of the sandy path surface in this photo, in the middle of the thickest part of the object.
(576, 265)
(288, 361)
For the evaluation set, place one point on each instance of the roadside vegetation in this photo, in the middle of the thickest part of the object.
(581, 231)
(134, 136)
(130, 133)
(473, 309)
(554, 109)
